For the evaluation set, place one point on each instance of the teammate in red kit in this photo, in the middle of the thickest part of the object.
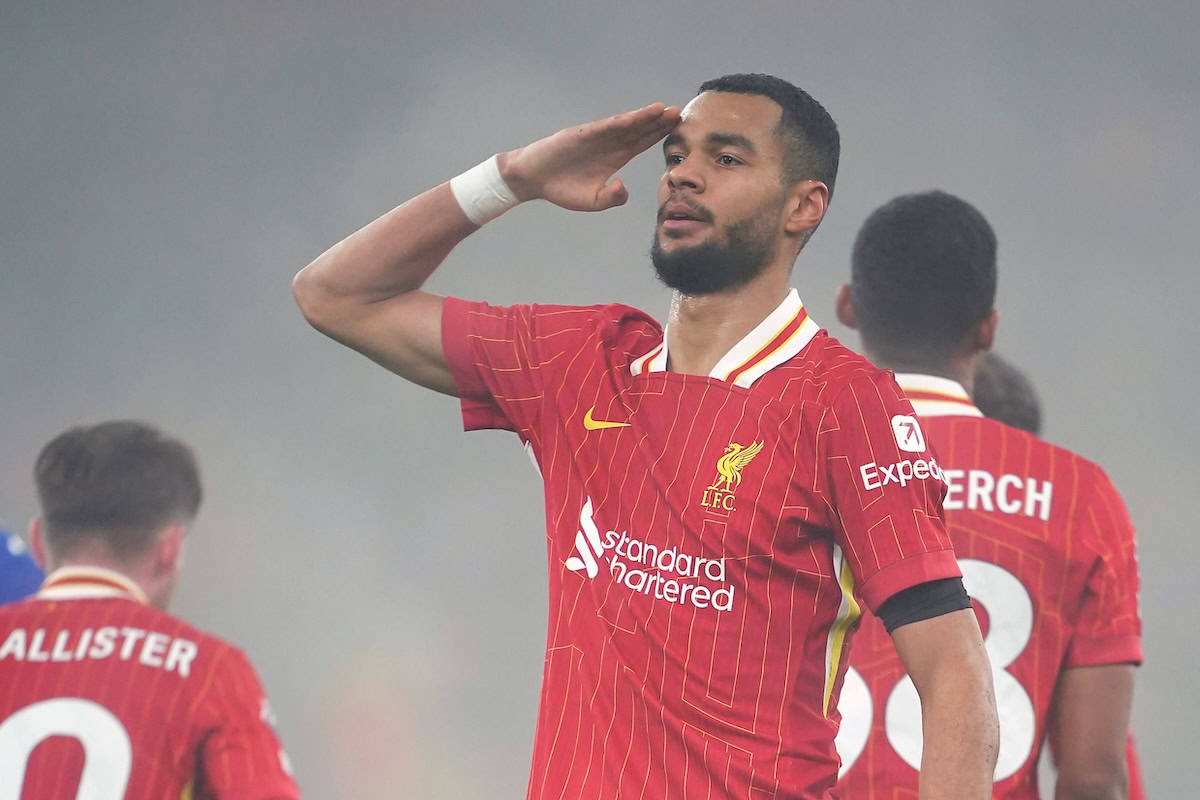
(707, 526)
(1045, 543)
(1005, 393)
(102, 693)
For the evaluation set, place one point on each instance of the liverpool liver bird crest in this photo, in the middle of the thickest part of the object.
(730, 465)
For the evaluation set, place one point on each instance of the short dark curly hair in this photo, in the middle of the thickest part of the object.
(118, 481)
(923, 273)
(812, 145)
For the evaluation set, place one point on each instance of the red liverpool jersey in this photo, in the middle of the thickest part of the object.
(706, 536)
(1047, 554)
(104, 696)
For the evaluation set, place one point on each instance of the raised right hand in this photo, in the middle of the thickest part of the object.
(365, 291)
(573, 168)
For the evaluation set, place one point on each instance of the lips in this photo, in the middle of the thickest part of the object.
(680, 216)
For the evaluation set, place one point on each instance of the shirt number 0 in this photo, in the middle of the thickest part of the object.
(108, 754)
(1010, 613)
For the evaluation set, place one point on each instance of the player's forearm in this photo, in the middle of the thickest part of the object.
(961, 734)
(1090, 726)
(391, 256)
(946, 659)
(1110, 785)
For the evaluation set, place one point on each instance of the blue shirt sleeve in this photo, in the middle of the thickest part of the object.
(20, 575)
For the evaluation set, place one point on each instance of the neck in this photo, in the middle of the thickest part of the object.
(959, 369)
(702, 329)
(140, 574)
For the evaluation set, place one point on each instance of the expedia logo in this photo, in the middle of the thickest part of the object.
(908, 433)
(664, 573)
(875, 476)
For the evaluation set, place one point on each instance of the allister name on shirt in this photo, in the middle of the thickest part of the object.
(150, 648)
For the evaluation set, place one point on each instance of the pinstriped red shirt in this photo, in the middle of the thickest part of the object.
(103, 696)
(708, 539)
(1048, 555)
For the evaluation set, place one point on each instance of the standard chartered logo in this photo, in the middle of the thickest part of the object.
(587, 542)
(663, 573)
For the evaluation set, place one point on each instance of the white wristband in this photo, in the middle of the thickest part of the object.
(482, 193)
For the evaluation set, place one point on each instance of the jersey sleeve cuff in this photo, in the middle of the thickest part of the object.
(900, 575)
(479, 410)
(1125, 649)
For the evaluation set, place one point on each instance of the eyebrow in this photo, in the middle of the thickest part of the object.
(715, 140)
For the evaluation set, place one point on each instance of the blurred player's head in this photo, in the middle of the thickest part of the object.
(749, 172)
(118, 495)
(923, 281)
(1004, 393)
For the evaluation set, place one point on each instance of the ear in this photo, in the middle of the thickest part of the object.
(985, 334)
(844, 302)
(806, 207)
(168, 551)
(37, 544)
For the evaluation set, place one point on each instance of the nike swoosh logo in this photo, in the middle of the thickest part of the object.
(600, 424)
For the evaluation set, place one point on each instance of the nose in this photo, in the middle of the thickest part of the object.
(686, 174)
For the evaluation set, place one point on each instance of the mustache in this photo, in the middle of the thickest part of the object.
(698, 211)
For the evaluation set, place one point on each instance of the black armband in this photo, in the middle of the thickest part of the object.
(923, 601)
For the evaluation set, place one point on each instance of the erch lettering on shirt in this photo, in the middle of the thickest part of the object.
(974, 489)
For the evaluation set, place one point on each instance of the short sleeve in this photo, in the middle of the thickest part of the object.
(1109, 630)
(503, 357)
(885, 489)
(241, 757)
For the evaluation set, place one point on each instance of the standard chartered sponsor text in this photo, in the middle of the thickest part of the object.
(664, 573)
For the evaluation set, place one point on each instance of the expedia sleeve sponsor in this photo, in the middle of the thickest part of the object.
(882, 488)
(876, 476)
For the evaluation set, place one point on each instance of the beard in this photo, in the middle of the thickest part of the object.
(712, 267)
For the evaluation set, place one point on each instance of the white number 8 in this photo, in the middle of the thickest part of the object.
(1010, 613)
(107, 752)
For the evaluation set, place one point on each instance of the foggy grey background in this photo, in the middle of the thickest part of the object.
(166, 168)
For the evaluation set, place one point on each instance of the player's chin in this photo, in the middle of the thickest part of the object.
(676, 237)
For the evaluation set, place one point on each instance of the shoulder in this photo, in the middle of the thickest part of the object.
(612, 322)
(614, 332)
(623, 326)
(1087, 475)
(818, 373)
(1101, 495)
(827, 380)
(845, 374)
(213, 655)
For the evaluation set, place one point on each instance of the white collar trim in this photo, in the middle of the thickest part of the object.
(76, 583)
(759, 351)
(935, 396)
